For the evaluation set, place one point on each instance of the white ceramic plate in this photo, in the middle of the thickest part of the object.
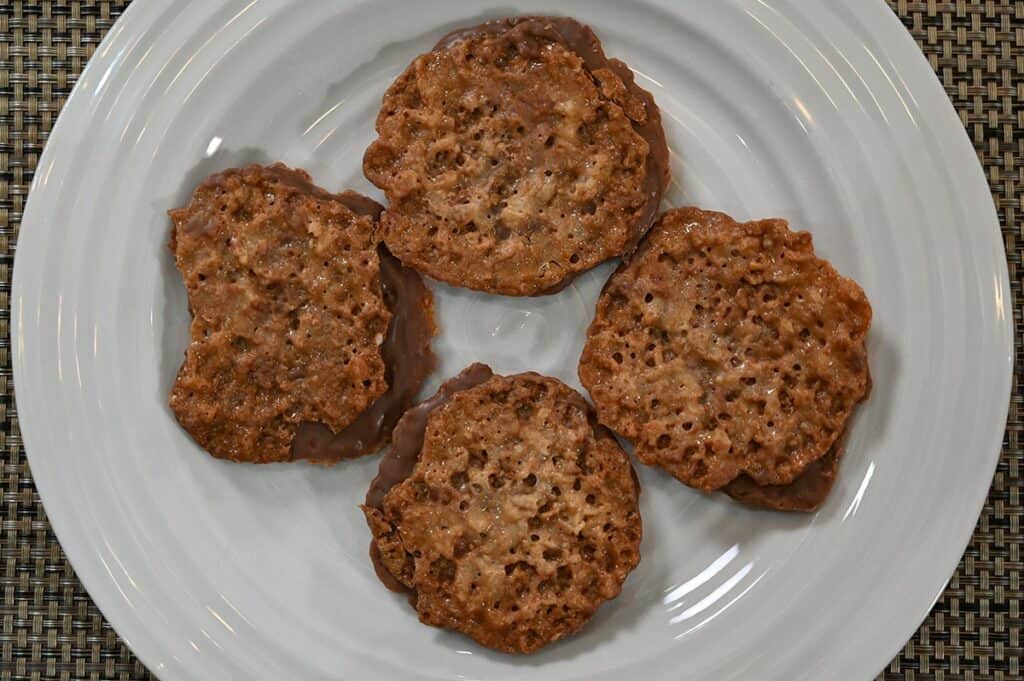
(822, 112)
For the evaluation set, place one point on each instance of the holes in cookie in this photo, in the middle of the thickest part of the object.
(583, 463)
(649, 298)
(664, 440)
(462, 546)
(496, 481)
(478, 459)
(552, 554)
(530, 480)
(786, 402)
(617, 357)
(459, 479)
(591, 499)
(443, 569)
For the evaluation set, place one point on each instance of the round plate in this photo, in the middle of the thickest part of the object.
(824, 113)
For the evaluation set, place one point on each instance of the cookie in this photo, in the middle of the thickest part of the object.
(515, 156)
(806, 493)
(728, 350)
(504, 510)
(308, 341)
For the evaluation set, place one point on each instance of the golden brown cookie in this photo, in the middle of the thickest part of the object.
(505, 510)
(516, 155)
(727, 349)
(307, 341)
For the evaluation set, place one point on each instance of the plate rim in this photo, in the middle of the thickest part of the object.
(140, 15)
(974, 172)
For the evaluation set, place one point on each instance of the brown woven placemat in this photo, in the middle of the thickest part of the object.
(49, 627)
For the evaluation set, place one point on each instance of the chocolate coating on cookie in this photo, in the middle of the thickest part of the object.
(400, 460)
(505, 510)
(407, 440)
(727, 349)
(515, 156)
(807, 493)
(292, 322)
(408, 361)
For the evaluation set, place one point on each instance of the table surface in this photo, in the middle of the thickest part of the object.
(50, 628)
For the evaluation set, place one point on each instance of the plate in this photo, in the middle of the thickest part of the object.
(822, 112)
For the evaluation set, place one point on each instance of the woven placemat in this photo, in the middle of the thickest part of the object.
(49, 627)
